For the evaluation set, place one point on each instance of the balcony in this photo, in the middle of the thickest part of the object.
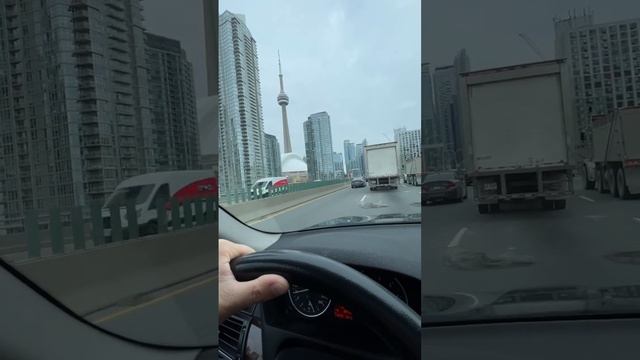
(80, 10)
(118, 37)
(83, 49)
(122, 109)
(122, 78)
(88, 107)
(87, 84)
(85, 72)
(90, 119)
(82, 37)
(84, 60)
(92, 154)
(87, 95)
(115, 4)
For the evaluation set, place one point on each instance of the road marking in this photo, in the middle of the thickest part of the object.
(363, 197)
(278, 213)
(586, 198)
(160, 298)
(456, 239)
(636, 219)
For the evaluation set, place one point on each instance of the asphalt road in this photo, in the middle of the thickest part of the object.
(474, 258)
(182, 315)
(357, 203)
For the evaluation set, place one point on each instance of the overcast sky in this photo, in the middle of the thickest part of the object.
(181, 20)
(359, 60)
(489, 29)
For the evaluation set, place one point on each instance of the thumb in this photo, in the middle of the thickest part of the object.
(262, 289)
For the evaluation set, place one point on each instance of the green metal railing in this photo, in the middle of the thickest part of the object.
(246, 195)
(97, 228)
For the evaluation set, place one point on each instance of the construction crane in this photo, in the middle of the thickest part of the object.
(532, 45)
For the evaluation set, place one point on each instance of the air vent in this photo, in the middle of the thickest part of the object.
(231, 336)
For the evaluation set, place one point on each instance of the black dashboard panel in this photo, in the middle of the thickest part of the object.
(391, 247)
(548, 339)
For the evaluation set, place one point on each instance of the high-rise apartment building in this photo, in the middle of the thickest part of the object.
(604, 63)
(172, 99)
(431, 132)
(241, 157)
(447, 101)
(349, 155)
(408, 143)
(208, 128)
(75, 116)
(272, 155)
(318, 146)
(359, 160)
(338, 164)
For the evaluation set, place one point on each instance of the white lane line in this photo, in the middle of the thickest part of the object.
(456, 239)
(637, 219)
(586, 198)
(363, 197)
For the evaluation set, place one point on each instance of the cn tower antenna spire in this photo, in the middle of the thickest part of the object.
(283, 101)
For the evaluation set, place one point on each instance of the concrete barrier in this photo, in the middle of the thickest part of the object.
(258, 209)
(89, 280)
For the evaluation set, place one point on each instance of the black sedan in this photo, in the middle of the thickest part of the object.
(358, 182)
(442, 187)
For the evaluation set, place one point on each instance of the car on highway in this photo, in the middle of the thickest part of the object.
(442, 187)
(358, 182)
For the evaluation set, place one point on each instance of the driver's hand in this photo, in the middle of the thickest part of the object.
(234, 295)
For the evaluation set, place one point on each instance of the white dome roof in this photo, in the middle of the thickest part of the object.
(292, 162)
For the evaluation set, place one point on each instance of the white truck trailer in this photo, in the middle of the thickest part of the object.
(518, 125)
(413, 171)
(615, 166)
(382, 165)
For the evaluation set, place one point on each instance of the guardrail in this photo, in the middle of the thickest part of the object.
(79, 228)
(242, 196)
(259, 209)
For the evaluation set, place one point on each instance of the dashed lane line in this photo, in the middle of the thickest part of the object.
(456, 239)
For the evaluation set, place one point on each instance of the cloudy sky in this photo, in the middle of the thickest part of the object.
(489, 29)
(359, 60)
(181, 20)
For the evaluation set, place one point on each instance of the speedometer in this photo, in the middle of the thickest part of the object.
(308, 303)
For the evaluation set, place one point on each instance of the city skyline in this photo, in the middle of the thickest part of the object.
(342, 71)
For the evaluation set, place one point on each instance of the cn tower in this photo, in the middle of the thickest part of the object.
(283, 101)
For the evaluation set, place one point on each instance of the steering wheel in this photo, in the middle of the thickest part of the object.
(388, 314)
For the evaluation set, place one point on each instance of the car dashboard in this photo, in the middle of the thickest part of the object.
(312, 318)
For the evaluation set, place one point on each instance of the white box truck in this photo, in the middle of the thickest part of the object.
(382, 165)
(615, 165)
(518, 125)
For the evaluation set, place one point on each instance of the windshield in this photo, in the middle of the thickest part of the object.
(333, 110)
(99, 96)
(535, 106)
(139, 194)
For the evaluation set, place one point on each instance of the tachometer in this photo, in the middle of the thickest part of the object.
(392, 284)
(308, 303)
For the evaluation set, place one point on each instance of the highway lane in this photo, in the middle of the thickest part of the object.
(181, 315)
(359, 202)
(594, 242)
